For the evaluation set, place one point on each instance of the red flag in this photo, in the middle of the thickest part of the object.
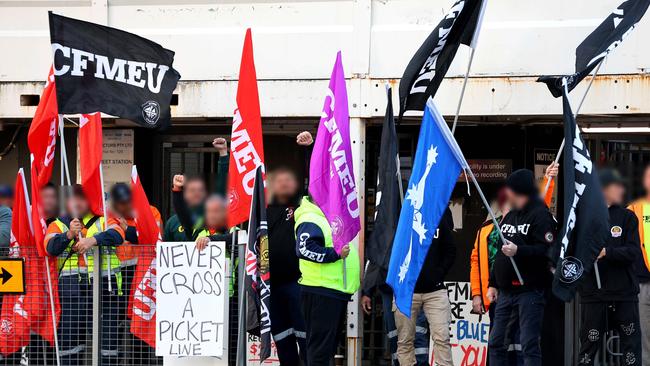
(247, 150)
(14, 318)
(90, 160)
(142, 304)
(41, 140)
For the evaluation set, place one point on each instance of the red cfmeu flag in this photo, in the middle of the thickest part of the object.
(90, 160)
(41, 140)
(247, 150)
(14, 318)
(142, 303)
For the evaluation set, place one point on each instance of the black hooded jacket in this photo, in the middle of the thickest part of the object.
(533, 229)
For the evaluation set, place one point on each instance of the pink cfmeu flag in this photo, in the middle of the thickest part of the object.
(331, 174)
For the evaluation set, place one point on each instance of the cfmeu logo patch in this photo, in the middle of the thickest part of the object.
(151, 112)
(571, 270)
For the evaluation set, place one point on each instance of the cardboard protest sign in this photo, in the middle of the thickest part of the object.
(191, 297)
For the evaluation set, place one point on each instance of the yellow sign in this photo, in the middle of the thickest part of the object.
(12, 276)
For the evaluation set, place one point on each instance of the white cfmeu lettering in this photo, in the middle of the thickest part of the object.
(244, 153)
(144, 305)
(77, 62)
(51, 143)
(429, 67)
(340, 160)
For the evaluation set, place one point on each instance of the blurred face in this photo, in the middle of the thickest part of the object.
(646, 181)
(284, 186)
(77, 206)
(515, 200)
(194, 192)
(215, 213)
(7, 201)
(614, 194)
(49, 201)
(123, 209)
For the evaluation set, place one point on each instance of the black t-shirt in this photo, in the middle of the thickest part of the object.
(283, 260)
(439, 259)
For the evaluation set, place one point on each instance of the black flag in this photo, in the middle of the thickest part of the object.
(258, 276)
(609, 34)
(586, 223)
(103, 69)
(387, 202)
(429, 65)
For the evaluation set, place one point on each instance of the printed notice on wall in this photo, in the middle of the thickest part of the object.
(469, 332)
(191, 297)
(117, 156)
(544, 158)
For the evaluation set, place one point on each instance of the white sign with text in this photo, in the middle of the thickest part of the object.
(191, 296)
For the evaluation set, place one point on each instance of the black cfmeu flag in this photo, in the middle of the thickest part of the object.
(586, 223)
(258, 276)
(387, 201)
(103, 69)
(609, 34)
(430, 63)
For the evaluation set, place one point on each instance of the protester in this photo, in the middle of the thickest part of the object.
(49, 202)
(609, 296)
(374, 279)
(287, 323)
(6, 196)
(530, 231)
(194, 195)
(6, 202)
(431, 297)
(70, 238)
(328, 280)
(641, 209)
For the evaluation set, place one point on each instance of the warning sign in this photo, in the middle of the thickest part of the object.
(12, 277)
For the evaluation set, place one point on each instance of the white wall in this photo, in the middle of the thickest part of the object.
(295, 45)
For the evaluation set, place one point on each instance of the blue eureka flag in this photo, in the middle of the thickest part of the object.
(438, 163)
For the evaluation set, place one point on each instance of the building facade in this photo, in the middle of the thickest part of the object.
(508, 120)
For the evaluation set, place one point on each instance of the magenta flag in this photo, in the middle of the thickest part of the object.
(331, 174)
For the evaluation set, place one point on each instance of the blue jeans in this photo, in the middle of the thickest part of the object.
(529, 306)
(421, 333)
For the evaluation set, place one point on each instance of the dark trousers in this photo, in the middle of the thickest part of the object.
(324, 322)
(287, 324)
(75, 326)
(599, 318)
(529, 306)
(421, 342)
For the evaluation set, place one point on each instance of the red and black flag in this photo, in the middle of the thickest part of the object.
(258, 276)
(593, 50)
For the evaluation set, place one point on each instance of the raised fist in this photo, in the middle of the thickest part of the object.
(304, 138)
(221, 145)
(178, 182)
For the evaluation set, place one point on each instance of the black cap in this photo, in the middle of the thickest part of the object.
(121, 193)
(522, 182)
(609, 176)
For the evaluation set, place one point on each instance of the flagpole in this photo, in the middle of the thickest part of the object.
(47, 268)
(462, 91)
(101, 183)
(494, 220)
(575, 115)
(66, 168)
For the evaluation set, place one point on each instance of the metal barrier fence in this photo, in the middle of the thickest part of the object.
(94, 323)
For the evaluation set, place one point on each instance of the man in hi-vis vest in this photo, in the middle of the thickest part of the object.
(641, 209)
(70, 238)
(325, 291)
